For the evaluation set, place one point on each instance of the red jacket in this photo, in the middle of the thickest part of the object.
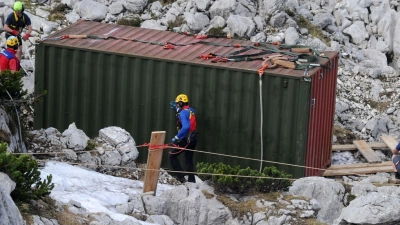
(8, 60)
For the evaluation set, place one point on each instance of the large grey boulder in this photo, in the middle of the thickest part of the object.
(271, 7)
(197, 21)
(112, 158)
(188, 205)
(387, 26)
(322, 20)
(72, 17)
(246, 8)
(278, 20)
(203, 5)
(374, 208)
(378, 57)
(8, 184)
(396, 36)
(292, 37)
(328, 193)
(359, 8)
(135, 6)
(378, 10)
(76, 138)
(242, 26)
(217, 22)
(116, 8)
(378, 125)
(91, 10)
(122, 141)
(223, 8)
(9, 213)
(357, 31)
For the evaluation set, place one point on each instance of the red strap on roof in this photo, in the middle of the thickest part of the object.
(168, 46)
(201, 36)
(205, 57)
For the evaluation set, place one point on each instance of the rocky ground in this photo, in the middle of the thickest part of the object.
(366, 34)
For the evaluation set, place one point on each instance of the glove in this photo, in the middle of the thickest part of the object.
(26, 36)
(15, 32)
(175, 140)
(172, 105)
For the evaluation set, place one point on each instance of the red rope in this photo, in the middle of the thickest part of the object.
(162, 147)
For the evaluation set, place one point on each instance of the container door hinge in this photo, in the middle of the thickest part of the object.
(321, 76)
(313, 103)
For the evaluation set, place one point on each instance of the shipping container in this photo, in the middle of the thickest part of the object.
(127, 76)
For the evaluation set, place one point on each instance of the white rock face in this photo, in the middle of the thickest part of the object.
(91, 10)
(242, 26)
(9, 212)
(135, 6)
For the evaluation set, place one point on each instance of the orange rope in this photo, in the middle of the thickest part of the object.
(262, 69)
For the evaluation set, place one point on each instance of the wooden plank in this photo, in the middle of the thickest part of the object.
(358, 165)
(367, 151)
(389, 141)
(352, 147)
(357, 171)
(154, 162)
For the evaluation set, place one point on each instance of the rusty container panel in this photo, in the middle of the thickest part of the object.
(322, 111)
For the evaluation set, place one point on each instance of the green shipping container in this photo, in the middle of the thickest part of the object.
(125, 76)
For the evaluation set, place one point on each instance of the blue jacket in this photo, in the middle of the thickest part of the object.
(186, 120)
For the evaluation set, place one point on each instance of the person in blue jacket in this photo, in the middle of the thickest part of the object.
(185, 138)
(396, 160)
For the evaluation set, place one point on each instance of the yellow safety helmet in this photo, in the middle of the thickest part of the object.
(12, 41)
(182, 98)
(18, 6)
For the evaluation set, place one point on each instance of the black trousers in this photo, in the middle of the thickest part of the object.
(396, 162)
(189, 143)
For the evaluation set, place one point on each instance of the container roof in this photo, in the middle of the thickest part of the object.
(149, 43)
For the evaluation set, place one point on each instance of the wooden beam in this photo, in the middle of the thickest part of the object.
(362, 168)
(389, 141)
(352, 147)
(153, 162)
(367, 151)
(359, 165)
(358, 171)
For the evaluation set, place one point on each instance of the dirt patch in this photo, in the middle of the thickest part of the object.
(343, 135)
(48, 209)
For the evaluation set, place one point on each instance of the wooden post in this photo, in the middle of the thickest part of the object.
(153, 162)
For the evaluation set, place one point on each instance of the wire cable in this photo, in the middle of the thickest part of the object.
(261, 123)
(19, 124)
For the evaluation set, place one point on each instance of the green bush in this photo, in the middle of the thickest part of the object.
(23, 170)
(217, 31)
(244, 180)
(90, 145)
(12, 83)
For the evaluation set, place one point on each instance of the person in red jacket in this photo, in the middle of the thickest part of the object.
(185, 138)
(8, 58)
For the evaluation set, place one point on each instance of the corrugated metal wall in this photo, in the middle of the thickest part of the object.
(322, 111)
(98, 89)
